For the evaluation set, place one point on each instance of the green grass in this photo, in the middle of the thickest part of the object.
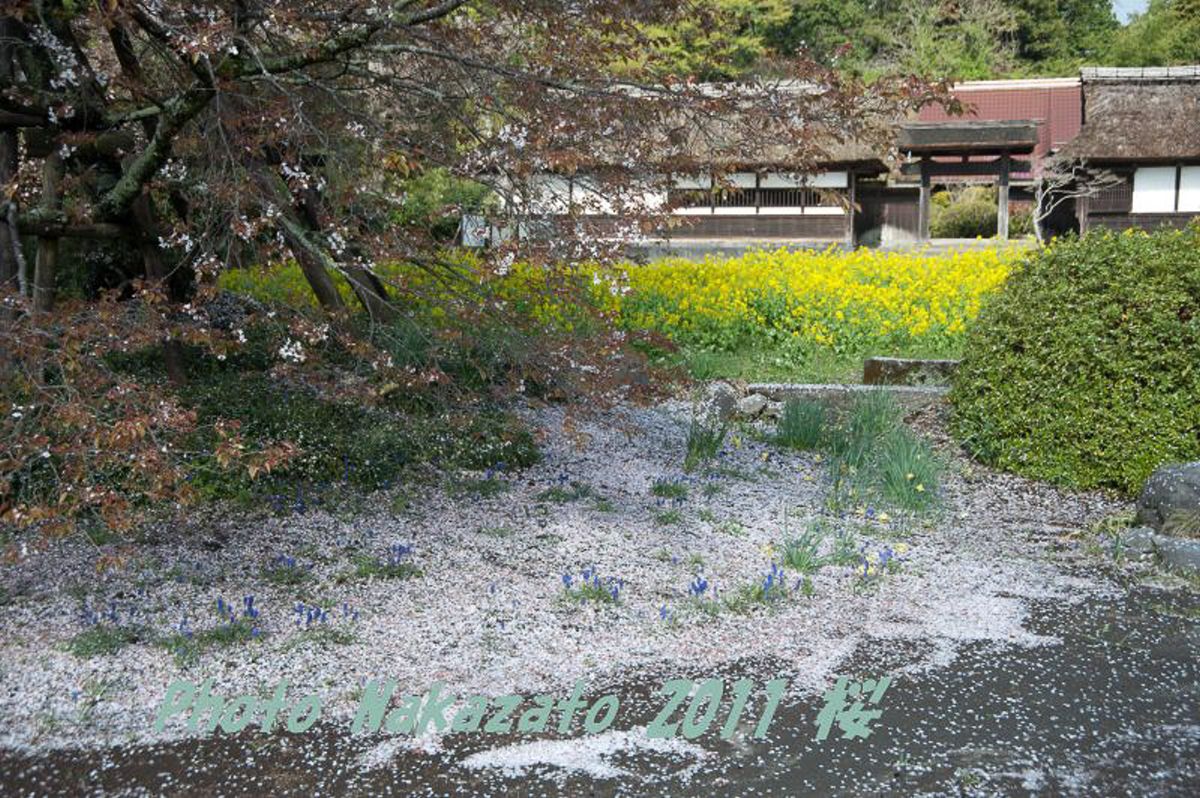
(703, 443)
(800, 554)
(845, 549)
(367, 567)
(908, 470)
(801, 425)
(603, 505)
(668, 517)
(874, 457)
(102, 640)
(286, 574)
(668, 489)
(560, 494)
(322, 635)
(775, 364)
(187, 649)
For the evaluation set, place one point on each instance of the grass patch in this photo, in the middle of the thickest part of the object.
(188, 646)
(322, 635)
(286, 571)
(603, 505)
(483, 488)
(908, 470)
(801, 425)
(800, 554)
(669, 489)
(102, 640)
(704, 441)
(372, 567)
(590, 587)
(668, 517)
(564, 494)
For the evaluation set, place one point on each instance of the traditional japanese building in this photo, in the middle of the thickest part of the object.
(1140, 128)
(1143, 127)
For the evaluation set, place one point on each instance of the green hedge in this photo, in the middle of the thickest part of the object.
(1085, 369)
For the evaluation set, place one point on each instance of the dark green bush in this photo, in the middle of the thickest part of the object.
(1085, 368)
(965, 213)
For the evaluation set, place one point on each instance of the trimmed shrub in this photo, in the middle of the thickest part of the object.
(965, 213)
(1085, 368)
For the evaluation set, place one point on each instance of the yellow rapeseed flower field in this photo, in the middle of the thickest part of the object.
(848, 301)
(844, 302)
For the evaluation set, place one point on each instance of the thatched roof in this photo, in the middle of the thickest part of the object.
(1135, 115)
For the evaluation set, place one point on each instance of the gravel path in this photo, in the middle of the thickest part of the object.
(488, 614)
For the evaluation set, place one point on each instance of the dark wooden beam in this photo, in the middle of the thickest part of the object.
(975, 168)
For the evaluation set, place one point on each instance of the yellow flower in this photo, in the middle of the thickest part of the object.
(920, 488)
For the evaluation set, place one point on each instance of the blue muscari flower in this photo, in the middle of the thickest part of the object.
(616, 592)
(662, 612)
(254, 632)
(220, 606)
(586, 574)
(566, 579)
(698, 587)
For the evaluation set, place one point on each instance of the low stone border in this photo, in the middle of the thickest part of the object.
(1181, 553)
(910, 397)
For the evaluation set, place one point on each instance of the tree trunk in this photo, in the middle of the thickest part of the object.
(315, 264)
(47, 252)
(9, 242)
(315, 267)
(9, 265)
(366, 286)
(156, 272)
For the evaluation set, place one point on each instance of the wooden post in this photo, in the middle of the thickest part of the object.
(1002, 198)
(850, 211)
(923, 204)
(46, 267)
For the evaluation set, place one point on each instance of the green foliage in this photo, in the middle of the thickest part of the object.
(366, 567)
(286, 572)
(669, 489)
(103, 639)
(1168, 33)
(563, 495)
(908, 470)
(800, 554)
(964, 213)
(874, 457)
(801, 424)
(722, 39)
(1084, 369)
(668, 517)
(187, 648)
(436, 200)
(970, 212)
(703, 442)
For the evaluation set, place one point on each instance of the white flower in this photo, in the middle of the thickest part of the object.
(292, 351)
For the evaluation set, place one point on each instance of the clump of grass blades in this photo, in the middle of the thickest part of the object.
(872, 416)
(703, 442)
(908, 470)
(565, 494)
(801, 425)
(669, 489)
(800, 554)
(100, 640)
